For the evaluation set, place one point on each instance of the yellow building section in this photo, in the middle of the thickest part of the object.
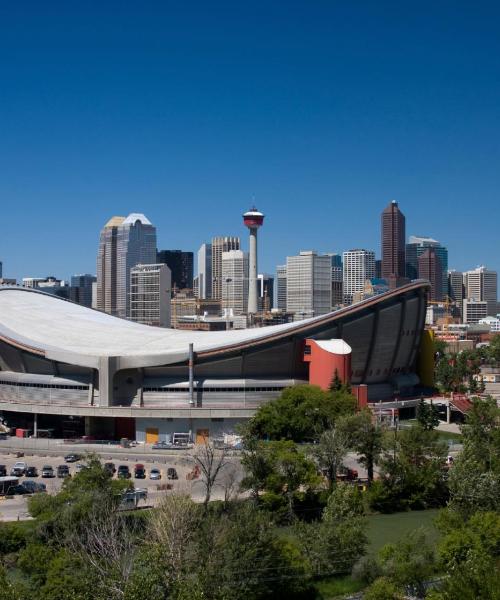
(425, 361)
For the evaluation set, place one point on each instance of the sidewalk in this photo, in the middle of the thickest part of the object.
(448, 427)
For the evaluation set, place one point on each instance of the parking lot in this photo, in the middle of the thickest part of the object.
(15, 508)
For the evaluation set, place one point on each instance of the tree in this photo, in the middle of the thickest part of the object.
(427, 415)
(468, 554)
(412, 472)
(331, 450)
(481, 433)
(335, 543)
(382, 589)
(301, 413)
(212, 462)
(408, 563)
(472, 488)
(279, 470)
(366, 439)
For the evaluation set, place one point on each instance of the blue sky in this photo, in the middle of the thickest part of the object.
(319, 112)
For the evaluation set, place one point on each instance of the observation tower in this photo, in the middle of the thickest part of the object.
(253, 219)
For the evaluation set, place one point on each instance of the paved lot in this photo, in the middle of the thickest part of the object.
(16, 508)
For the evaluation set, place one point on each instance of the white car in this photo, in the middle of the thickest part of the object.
(19, 468)
(155, 473)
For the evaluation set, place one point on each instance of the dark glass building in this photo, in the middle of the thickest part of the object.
(180, 264)
(393, 244)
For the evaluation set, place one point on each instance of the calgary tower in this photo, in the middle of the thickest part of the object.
(253, 219)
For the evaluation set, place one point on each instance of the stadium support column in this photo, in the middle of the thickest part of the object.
(191, 375)
(35, 425)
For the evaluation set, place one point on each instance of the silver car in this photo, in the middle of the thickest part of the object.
(155, 473)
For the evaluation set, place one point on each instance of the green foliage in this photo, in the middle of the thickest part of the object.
(453, 373)
(409, 563)
(334, 544)
(469, 555)
(427, 415)
(301, 413)
(61, 515)
(280, 469)
(382, 589)
(412, 474)
(366, 439)
(481, 433)
(14, 536)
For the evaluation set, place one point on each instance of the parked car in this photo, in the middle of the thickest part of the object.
(3, 471)
(123, 472)
(47, 471)
(71, 458)
(63, 471)
(139, 471)
(79, 467)
(33, 487)
(155, 473)
(19, 469)
(31, 472)
(161, 446)
(4, 435)
(172, 473)
(109, 466)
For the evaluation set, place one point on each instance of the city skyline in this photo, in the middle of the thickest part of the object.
(321, 116)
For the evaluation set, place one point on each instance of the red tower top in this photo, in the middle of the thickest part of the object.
(253, 218)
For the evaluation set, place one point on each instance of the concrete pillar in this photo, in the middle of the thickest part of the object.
(252, 273)
(107, 369)
(35, 425)
(191, 374)
(448, 413)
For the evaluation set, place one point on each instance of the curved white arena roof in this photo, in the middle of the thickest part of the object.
(67, 332)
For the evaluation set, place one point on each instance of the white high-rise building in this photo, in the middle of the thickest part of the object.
(481, 284)
(359, 265)
(220, 245)
(235, 281)
(474, 310)
(150, 294)
(124, 243)
(281, 287)
(308, 284)
(204, 272)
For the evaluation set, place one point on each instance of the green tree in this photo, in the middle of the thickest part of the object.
(335, 544)
(468, 554)
(366, 439)
(301, 413)
(409, 563)
(332, 448)
(427, 415)
(481, 433)
(382, 589)
(412, 472)
(280, 470)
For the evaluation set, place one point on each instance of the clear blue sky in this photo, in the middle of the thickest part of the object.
(320, 112)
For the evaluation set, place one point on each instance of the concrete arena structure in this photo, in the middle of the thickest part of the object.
(116, 378)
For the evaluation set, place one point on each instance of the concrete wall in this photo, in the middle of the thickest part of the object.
(166, 427)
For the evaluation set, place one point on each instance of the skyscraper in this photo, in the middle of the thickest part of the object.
(481, 285)
(415, 248)
(393, 244)
(81, 289)
(456, 289)
(220, 245)
(308, 284)
(106, 266)
(281, 287)
(180, 264)
(429, 267)
(150, 294)
(205, 271)
(124, 243)
(265, 286)
(359, 265)
(235, 281)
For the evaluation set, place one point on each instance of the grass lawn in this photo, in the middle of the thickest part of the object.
(384, 529)
(381, 530)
